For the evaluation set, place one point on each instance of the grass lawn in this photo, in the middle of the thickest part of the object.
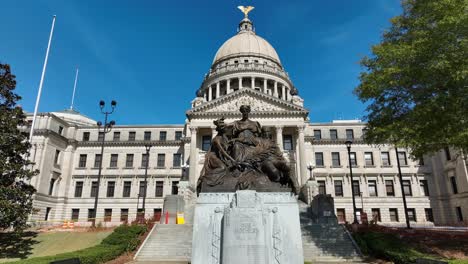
(32, 244)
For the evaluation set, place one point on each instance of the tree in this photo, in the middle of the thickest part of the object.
(415, 81)
(15, 191)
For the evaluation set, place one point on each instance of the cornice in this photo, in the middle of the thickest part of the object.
(141, 143)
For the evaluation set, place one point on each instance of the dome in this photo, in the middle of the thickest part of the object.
(246, 43)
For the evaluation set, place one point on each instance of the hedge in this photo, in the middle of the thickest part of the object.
(124, 239)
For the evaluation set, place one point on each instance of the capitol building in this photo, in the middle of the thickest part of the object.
(246, 70)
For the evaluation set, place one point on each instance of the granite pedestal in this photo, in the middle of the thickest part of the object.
(247, 227)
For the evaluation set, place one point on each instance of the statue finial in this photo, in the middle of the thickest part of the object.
(246, 10)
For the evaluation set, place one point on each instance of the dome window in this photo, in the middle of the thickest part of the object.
(246, 61)
(236, 61)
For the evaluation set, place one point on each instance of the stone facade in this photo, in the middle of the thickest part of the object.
(65, 145)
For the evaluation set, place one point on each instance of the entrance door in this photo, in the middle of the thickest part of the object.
(157, 214)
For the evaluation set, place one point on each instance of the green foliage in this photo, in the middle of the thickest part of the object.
(123, 239)
(387, 246)
(15, 191)
(415, 81)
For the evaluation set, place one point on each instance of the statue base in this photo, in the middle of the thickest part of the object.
(247, 227)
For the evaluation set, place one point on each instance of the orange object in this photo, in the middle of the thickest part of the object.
(71, 224)
(65, 224)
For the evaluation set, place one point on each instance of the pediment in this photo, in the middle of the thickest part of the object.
(260, 103)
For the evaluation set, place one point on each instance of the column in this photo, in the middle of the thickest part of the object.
(302, 159)
(283, 94)
(210, 93)
(228, 86)
(240, 83)
(286, 97)
(265, 85)
(193, 157)
(217, 89)
(275, 92)
(279, 137)
(252, 82)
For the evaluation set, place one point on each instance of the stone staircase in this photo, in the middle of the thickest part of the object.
(326, 242)
(166, 244)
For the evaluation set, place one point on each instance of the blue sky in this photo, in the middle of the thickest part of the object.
(151, 56)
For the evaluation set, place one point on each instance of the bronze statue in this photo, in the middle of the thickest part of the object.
(243, 157)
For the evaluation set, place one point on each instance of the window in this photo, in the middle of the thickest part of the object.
(75, 214)
(412, 214)
(349, 134)
(57, 155)
(364, 132)
(60, 130)
(175, 187)
(94, 189)
(110, 189)
(123, 215)
(376, 214)
(147, 135)
(206, 143)
(127, 188)
(113, 160)
(407, 188)
(369, 159)
(144, 160)
(91, 215)
(389, 187)
(421, 161)
(129, 161)
(178, 135)
(97, 160)
(372, 188)
(459, 213)
(336, 159)
(287, 142)
(447, 153)
(385, 158)
(393, 214)
(107, 215)
(402, 158)
(356, 188)
(333, 134)
(317, 134)
(353, 158)
(341, 215)
(161, 160)
(78, 189)
(142, 192)
(338, 188)
(48, 209)
(319, 159)
(131, 136)
(159, 188)
(162, 135)
(85, 136)
(176, 160)
(82, 162)
(429, 215)
(424, 187)
(116, 136)
(51, 186)
(453, 181)
(321, 187)
(101, 136)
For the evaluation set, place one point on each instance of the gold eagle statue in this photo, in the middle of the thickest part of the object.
(246, 10)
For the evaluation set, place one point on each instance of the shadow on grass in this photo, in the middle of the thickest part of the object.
(17, 245)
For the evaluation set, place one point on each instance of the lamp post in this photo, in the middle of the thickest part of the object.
(402, 189)
(104, 129)
(310, 167)
(147, 148)
(348, 146)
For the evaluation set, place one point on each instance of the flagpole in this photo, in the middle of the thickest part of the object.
(42, 81)
(74, 89)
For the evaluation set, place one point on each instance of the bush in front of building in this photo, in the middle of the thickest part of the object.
(125, 238)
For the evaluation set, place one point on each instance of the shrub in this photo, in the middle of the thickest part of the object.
(123, 239)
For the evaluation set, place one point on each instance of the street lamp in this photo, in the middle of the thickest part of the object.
(402, 189)
(147, 148)
(310, 167)
(348, 146)
(104, 129)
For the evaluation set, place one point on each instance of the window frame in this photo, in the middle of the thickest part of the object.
(338, 188)
(319, 162)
